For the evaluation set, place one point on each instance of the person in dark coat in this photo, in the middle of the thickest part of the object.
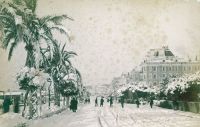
(122, 101)
(96, 102)
(101, 102)
(111, 101)
(151, 103)
(86, 101)
(73, 104)
(76, 105)
(137, 103)
(6, 104)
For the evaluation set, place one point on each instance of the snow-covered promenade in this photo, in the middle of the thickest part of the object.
(130, 116)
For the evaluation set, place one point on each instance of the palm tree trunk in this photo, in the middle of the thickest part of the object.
(64, 100)
(57, 95)
(40, 103)
(25, 100)
(67, 101)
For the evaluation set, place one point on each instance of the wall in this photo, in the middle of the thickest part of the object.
(182, 106)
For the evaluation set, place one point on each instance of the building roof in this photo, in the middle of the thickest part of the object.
(163, 54)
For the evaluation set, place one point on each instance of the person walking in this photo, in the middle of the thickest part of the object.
(96, 102)
(151, 103)
(101, 102)
(73, 104)
(122, 101)
(111, 102)
(137, 103)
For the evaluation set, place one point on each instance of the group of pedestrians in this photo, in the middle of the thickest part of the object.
(87, 100)
(138, 103)
(101, 102)
(121, 100)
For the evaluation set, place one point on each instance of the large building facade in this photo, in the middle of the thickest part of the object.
(162, 63)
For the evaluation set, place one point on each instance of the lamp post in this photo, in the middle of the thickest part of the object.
(49, 92)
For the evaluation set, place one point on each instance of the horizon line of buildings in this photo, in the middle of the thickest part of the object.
(158, 65)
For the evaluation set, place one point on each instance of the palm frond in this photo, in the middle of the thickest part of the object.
(2, 17)
(31, 4)
(13, 45)
(63, 48)
(67, 55)
(60, 29)
(78, 73)
(17, 2)
(54, 19)
(6, 40)
(68, 61)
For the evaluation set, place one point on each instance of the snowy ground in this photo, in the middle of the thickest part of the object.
(130, 116)
(90, 116)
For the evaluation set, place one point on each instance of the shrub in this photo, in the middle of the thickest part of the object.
(165, 104)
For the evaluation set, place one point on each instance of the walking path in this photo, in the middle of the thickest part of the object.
(90, 116)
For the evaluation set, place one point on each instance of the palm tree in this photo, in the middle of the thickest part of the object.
(21, 24)
(25, 26)
(58, 65)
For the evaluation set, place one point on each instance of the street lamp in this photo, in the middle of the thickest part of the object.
(49, 92)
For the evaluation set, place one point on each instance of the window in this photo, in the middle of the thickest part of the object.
(154, 76)
(156, 53)
(153, 68)
(163, 68)
(163, 75)
(180, 68)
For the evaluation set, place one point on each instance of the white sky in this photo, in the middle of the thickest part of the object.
(112, 36)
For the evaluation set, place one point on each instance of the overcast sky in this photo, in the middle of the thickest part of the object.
(112, 36)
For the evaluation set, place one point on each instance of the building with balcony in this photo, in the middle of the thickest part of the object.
(162, 63)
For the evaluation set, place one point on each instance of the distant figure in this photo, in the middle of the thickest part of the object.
(122, 101)
(96, 102)
(73, 104)
(137, 103)
(6, 104)
(108, 100)
(151, 103)
(111, 101)
(101, 102)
